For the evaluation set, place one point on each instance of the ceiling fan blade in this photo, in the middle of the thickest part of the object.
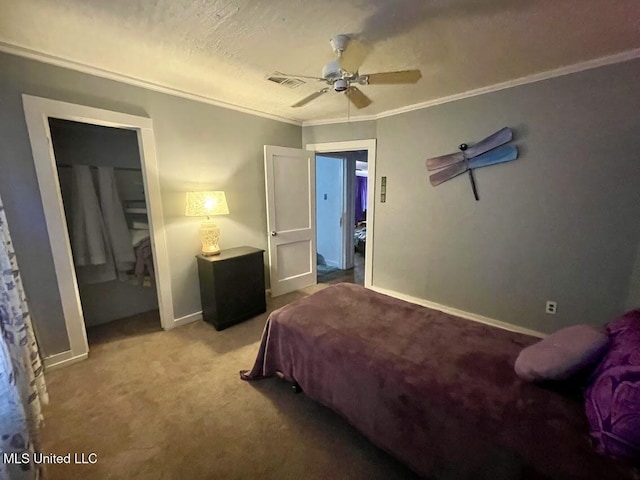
(448, 173)
(392, 78)
(444, 160)
(359, 99)
(354, 55)
(309, 98)
(501, 137)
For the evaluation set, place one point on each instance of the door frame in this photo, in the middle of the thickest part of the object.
(37, 111)
(370, 146)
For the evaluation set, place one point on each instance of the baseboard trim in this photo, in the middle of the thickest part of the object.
(459, 313)
(192, 317)
(62, 359)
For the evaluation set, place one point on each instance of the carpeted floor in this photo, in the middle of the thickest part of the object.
(170, 405)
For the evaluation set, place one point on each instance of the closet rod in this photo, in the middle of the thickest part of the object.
(67, 165)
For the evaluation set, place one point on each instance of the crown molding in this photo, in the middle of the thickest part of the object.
(118, 77)
(110, 75)
(536, 77)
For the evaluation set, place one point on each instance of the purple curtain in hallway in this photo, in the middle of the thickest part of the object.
(361, 198)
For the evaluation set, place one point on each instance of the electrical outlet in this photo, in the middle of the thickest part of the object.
(552, 307)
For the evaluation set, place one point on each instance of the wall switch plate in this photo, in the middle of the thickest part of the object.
(551, 307)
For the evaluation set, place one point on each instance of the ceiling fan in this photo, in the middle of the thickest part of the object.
(342, 80)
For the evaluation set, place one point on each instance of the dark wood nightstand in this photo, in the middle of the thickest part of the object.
(232, 286)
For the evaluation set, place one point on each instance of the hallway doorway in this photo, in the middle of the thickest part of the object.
(341, 208)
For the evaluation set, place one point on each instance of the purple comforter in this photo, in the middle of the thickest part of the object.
(436, 391)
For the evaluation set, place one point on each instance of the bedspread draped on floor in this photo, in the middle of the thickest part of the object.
(22, 387)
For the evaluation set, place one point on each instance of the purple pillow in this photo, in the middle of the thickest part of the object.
(562, 354)
(612, 398)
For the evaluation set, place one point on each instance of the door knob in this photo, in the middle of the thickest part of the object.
(273, 233)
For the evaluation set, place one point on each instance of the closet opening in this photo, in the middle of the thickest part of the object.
(105, 207)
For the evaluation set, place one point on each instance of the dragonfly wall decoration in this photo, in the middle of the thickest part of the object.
(487, 152)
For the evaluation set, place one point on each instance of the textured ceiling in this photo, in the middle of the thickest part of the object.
(224, 49)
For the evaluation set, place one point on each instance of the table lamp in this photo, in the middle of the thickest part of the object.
(205, 204)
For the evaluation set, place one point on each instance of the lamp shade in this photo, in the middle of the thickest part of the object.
(203, 204)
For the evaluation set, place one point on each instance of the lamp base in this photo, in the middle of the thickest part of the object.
(209, 236)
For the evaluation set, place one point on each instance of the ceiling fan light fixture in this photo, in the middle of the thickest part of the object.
(340, 85)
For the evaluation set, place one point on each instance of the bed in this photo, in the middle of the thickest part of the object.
(436, 391)
(360, 237)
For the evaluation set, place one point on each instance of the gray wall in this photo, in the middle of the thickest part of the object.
(339, 132)
(85, 144)
(633, 298)
(198, 146)
(560, 223)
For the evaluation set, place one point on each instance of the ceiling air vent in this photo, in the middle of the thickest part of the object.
(285, 81)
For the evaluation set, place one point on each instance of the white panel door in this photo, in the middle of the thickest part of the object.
(290, 176)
